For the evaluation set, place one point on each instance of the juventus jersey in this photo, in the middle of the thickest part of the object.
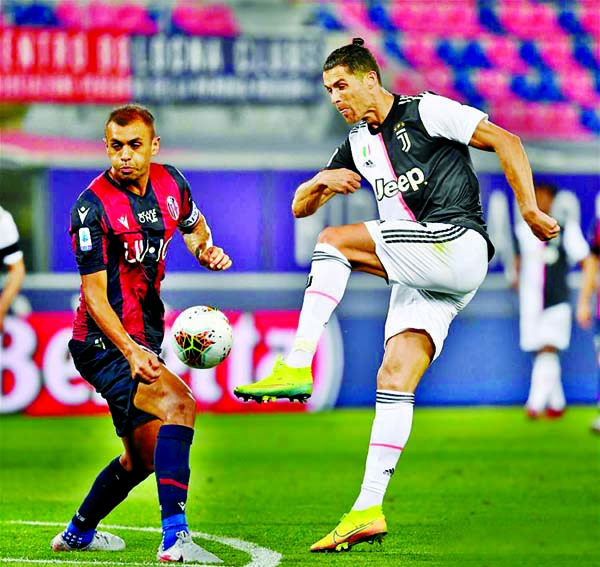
(10, 251)
(594, 241)
(128, 235)
(545, 265)
(417, 162)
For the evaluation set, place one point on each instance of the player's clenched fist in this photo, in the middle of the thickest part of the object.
(542, 225)
(342, 181)
(215, 259)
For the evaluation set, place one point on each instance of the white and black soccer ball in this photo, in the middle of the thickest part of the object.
(201, 336)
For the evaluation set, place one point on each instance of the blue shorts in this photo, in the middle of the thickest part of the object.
(108, 371)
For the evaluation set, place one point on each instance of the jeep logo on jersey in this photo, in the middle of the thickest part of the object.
(412, 179)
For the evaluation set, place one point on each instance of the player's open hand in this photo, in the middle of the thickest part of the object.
(542, 225)
(342, 181)
(144, 365)
(215, 259)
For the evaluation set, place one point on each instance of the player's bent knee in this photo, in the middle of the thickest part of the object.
(329, 235)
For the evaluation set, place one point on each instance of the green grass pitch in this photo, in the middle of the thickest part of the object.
(475, 487)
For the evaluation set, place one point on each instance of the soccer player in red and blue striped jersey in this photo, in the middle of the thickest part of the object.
(121, 227)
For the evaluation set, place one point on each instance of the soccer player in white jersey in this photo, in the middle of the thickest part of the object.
(12, 257)
(589, 284)
(430, 243)
(545, 310)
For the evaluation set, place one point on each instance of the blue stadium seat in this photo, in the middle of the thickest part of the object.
(34, 14)
(489, 19)
(534, 89)
(327, 20)
(531, 55)
(590, 120)
(583, 53)
(380, 18)
(464, 85)
(450, 53)
(569, 22)
(391, 46)
(474, 56)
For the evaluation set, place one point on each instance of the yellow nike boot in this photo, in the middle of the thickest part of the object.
(355, 527)
(284, 382)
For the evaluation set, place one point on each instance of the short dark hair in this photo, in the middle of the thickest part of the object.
(545, 186)
(128, 113)
(355, 57)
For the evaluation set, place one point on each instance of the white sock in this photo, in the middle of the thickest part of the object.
(327, 281)
(389, 434)
(541, 381)
(556, 399)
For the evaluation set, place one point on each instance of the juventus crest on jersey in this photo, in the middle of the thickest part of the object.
(417, 161)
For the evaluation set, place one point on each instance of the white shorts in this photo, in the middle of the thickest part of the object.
(548, 327)
(434, 269)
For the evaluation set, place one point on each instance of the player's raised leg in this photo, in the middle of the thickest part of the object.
(339, 250)
(406, 358)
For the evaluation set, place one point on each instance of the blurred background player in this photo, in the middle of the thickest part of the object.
(589, 284)
(12, 257)
(544, 306)
(121, 226)
(430, 243)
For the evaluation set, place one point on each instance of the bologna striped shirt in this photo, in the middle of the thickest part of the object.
(128, 235)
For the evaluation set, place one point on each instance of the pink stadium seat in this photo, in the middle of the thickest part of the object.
(205, 19)
(590, 19)
(420, 50)
(577, 85)
(557, 52)
(354, 14)
(493, 84)
(503, 52)
(440, 80)
(528, 20)
(71, 14)
(407, 82)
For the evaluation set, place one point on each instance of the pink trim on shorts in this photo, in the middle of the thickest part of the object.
(400, 197)
(397, 447)
(324, 295)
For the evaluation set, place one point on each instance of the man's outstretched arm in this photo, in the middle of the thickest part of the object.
(514, 162)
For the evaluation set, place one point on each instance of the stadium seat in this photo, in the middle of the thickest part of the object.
(489, 19)
(34, 14)
(538, 86)
(590, 19)
(557, 53)
(587, 53)
(205, 19)
(493, 85)
(463, 83)
(421, 50)
(578, 86)
(502, 52)
(378, 15)
(591, 120)
(325, 19)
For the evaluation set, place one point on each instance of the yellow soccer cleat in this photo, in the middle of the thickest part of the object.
(355, 527)
(283, 382)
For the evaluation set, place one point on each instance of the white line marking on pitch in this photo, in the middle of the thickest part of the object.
(260, 556)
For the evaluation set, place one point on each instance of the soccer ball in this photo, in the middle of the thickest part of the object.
(201, 336)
